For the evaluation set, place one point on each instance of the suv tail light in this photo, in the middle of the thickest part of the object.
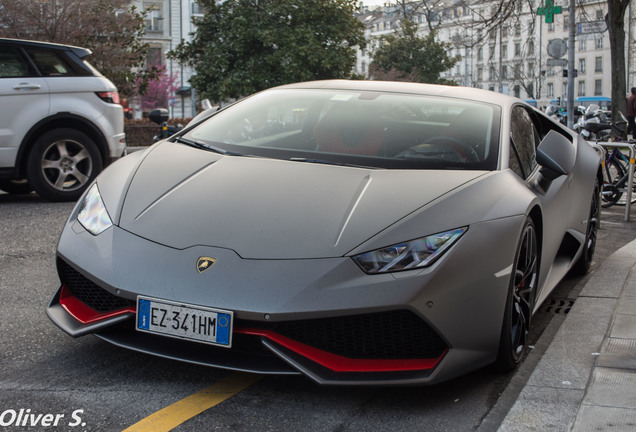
(109, 97)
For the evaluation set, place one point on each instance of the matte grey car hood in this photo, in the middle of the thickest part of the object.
(268, 208)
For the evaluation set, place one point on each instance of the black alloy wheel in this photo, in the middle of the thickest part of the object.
(584, 262)
(520, 302)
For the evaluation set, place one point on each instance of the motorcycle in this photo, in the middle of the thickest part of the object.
(595, 125)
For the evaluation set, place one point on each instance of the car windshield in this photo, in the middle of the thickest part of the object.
(364, 128)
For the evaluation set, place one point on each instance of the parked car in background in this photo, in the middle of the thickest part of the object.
(60, 120)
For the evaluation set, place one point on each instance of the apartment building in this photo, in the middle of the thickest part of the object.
(512, 58)
(168, 22)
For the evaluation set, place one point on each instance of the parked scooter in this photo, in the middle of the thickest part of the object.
(161, 116)
(557, 114)
(595, 125)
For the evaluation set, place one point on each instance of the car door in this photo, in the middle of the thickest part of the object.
(558, 207)
(24, 100)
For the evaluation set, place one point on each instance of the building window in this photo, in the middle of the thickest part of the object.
(154, 56)
(517, 49)
(599, 43)
(550, 90)
(582, 45)
(504, 51)
(154, 17)
(491, 73)
(480, 53)
(504, 72)
(531, 69)
(581, 66)
(598, 64)
(197, 10)
(581, 89)
(550, 71)
(480, 74)
(492, 51)
(531, 48)
(566, 21)
(598, 87)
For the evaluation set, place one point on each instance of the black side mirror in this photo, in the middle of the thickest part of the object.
(159, 115)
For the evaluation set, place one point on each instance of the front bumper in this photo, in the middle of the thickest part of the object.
(323, 318)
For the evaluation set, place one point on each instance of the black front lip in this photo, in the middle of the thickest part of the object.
(74, 325)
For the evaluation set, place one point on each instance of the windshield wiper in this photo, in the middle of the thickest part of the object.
(200, 145)
(326, 162)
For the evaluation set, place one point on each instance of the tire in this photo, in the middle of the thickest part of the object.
(513, 342)
(582, 266)
(62, 163)
(16, 186)
(611, 175)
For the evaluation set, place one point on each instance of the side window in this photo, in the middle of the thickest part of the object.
(12, 65)
(523, 143)
(50, 63)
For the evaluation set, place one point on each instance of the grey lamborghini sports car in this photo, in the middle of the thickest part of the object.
(356, 232)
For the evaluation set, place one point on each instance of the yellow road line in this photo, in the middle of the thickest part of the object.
(173, 415)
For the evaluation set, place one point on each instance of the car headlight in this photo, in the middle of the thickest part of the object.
(409, 255)
(92, 212)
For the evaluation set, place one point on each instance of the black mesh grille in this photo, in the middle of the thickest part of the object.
(385, 335)
(89, 293)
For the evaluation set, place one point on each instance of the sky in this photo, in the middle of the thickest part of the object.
(373, 3)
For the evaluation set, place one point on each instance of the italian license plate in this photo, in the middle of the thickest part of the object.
(195, 323)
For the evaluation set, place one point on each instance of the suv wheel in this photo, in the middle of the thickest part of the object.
(62, 164)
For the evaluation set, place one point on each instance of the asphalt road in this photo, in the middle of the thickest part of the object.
(89, 385)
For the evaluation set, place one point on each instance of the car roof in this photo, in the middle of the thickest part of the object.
(408, 87)
(78, 51)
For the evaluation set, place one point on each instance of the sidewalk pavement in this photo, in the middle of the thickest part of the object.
(586, 380)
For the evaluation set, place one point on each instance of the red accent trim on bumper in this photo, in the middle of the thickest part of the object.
(85, 314)
(339, 363)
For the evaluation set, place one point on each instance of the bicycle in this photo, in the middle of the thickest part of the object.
(615, 176)
(616, 166)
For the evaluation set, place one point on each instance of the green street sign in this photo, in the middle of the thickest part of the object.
(549, 10)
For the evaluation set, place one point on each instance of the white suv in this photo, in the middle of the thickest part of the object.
(60, 120)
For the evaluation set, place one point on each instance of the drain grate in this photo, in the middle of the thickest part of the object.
(558, 306)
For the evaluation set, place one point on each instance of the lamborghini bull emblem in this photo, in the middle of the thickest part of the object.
(204, 263)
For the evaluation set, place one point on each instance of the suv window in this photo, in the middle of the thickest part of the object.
(50, 63)
(12, 65)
